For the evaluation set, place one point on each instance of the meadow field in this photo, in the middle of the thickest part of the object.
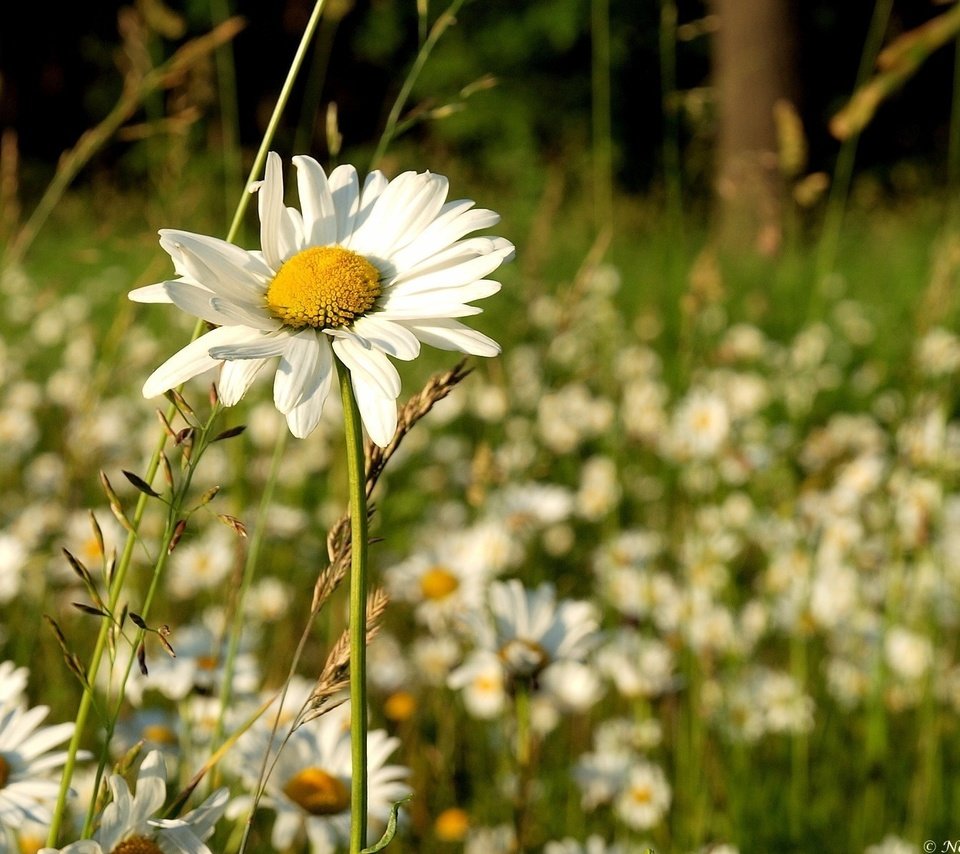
(678, 570)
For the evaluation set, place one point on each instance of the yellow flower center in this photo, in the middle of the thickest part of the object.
(438, 582)
(317, 792)
(159, 734)
(323, 287)
(137, 845)
(400, 706)
(641, 794)
(452, 825)
(4, 771)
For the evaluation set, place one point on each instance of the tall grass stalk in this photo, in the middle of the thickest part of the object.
(229, 110)
(447, 19)
(672, 169)
(53, 193)
(204, 438)
(799, 743)
(601, 114)
(278, 112)
(843, 171)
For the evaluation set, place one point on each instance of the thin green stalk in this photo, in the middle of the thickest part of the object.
(274, 122)
(100, 645)
(229, 110)
(358, 613)
(672, 171)
(249, 567)
(447, 19)
(840, 186)
(174, 514)
(521, 705)
(600, 103)
(799, 745)
(86, 701)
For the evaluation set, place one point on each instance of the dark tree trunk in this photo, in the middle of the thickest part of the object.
(753, 64)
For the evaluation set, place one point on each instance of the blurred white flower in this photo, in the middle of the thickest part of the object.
(126, 823)
(30, 772)
(645, 797)
(700, 426)
(908, 654)
(309, 787)
(202, 563)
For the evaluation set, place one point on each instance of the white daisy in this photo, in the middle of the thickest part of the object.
(309, 788)
(360, 273)
(29, 772)
(127, 824)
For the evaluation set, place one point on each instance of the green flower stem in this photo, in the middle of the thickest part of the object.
(174, 514)
(521, 704)
(358, 613)
(86, 701)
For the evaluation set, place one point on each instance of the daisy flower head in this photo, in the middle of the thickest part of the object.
(309, 788)
(357, 273)
(127, 825)
(29, 771)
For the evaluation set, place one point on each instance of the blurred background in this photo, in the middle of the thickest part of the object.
(726, 413)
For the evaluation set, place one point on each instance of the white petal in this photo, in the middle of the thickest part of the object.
(245, 314)
(236, 376)
(456, 276)
(304, 417)
(447, 334)
(452, 256)
(257, 345)
(194, 359)
(206, 305)
(389, 337)
(272, 220)
(298, 364)
(151, 787)
(439, 303)
(454, 221)
(316, 202)
(215, 264)
(378, 411)
(373, 185)
(150, 293)
(345, 190)
(373, 366)
(405, 208)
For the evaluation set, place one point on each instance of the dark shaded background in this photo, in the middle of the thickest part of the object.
(59, 77)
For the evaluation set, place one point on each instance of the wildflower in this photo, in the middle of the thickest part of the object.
(645, 797)
(13, 560)
(13, 682)
(638, 666)
(701, 425)
(909, 655)
(126, 823)
(309, 788)
(29, 778)
(358, 273)
(202, 564)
